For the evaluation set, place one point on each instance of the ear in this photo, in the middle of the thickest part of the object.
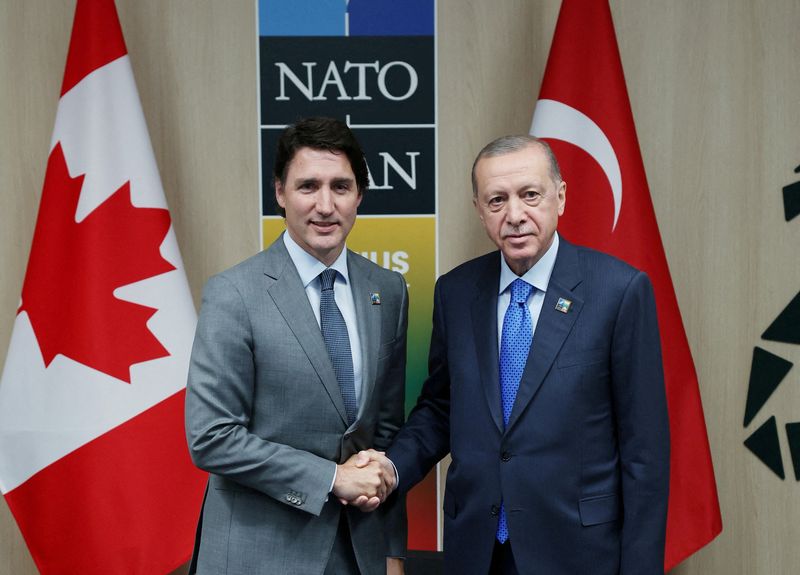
(477, 208)
(279, 197)
(562, 197)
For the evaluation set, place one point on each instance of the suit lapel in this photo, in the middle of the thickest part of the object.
(484, 329)
(290, 298)
(553, 327)
(368, 319)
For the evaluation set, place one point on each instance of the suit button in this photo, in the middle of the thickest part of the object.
(505, 456)
(495, 511)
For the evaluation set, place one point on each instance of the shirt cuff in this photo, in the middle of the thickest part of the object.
(333, 481)
(396, 474)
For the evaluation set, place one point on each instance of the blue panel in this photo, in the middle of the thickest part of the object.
(391, 17)
(301, 17)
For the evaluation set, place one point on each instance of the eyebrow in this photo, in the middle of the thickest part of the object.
(519, 190)
(302, 181)
(316, 181)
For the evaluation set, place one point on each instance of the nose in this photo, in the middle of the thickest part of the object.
(325, 201)
(515, 211)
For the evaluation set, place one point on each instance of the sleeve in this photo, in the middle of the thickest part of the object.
(643, 429)
(219, 401)
(391, 417)
(425, 438)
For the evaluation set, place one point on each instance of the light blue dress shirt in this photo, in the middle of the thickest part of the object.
(309, 268)
(538, 276)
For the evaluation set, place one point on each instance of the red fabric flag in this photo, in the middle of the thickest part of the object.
(584, 113)
(93, 458)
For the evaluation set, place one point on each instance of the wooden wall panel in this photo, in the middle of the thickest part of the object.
(714, 89)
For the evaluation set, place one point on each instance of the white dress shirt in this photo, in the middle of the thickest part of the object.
(309, 268)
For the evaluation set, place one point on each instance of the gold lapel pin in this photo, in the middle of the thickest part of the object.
(563, 305)
(375, 298)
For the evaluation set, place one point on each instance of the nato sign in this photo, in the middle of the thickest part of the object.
(372, 64)
(369, 63)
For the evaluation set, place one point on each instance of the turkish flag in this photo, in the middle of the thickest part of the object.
(93, 457)
(584, 113)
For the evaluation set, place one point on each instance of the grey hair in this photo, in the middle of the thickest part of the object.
(509, 144)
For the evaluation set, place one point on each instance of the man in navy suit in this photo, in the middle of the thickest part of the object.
(546, 388)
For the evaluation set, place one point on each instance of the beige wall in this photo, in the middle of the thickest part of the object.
(714, 87)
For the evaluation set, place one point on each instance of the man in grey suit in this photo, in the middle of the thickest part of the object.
(298, 364)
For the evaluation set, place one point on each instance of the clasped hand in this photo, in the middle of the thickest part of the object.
(365, 480)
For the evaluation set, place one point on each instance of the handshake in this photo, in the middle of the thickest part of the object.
(365, 480)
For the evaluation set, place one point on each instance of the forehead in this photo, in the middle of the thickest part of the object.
(310, 162)
(528, 166)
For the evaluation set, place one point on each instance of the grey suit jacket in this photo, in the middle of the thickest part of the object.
(265, 417)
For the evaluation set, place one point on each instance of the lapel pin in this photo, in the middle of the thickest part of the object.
(563, 305)
(375, 298)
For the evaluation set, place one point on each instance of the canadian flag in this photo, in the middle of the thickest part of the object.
(584, 113)
(93, 458)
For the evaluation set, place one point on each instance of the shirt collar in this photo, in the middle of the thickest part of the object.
(538, 276)
(309, 267)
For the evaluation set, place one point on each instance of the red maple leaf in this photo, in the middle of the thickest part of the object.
(74, 269)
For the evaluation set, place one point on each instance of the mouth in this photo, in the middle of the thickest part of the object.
(323, 226)
(517, 239)
(517, 236)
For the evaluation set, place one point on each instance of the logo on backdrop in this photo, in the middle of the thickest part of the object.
(769, 370)
(370, 64)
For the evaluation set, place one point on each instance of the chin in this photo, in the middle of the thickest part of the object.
(521, 253)
(521, 259)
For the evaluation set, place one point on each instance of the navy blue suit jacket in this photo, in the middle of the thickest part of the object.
(583, 465)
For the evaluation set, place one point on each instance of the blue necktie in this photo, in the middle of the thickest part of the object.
(334, 332)
(515, 344)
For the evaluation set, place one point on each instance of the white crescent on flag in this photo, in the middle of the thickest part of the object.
(552, 119)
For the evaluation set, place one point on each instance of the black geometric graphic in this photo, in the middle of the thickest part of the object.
(764, 444)
(768, 370)
(791, 199)
(766, 373)
(786, 327)
(793, 433)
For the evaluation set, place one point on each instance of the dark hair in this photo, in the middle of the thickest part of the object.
(509, 144)
(320, 133)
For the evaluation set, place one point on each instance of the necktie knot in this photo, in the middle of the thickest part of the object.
(326, 279)
(520, 290)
